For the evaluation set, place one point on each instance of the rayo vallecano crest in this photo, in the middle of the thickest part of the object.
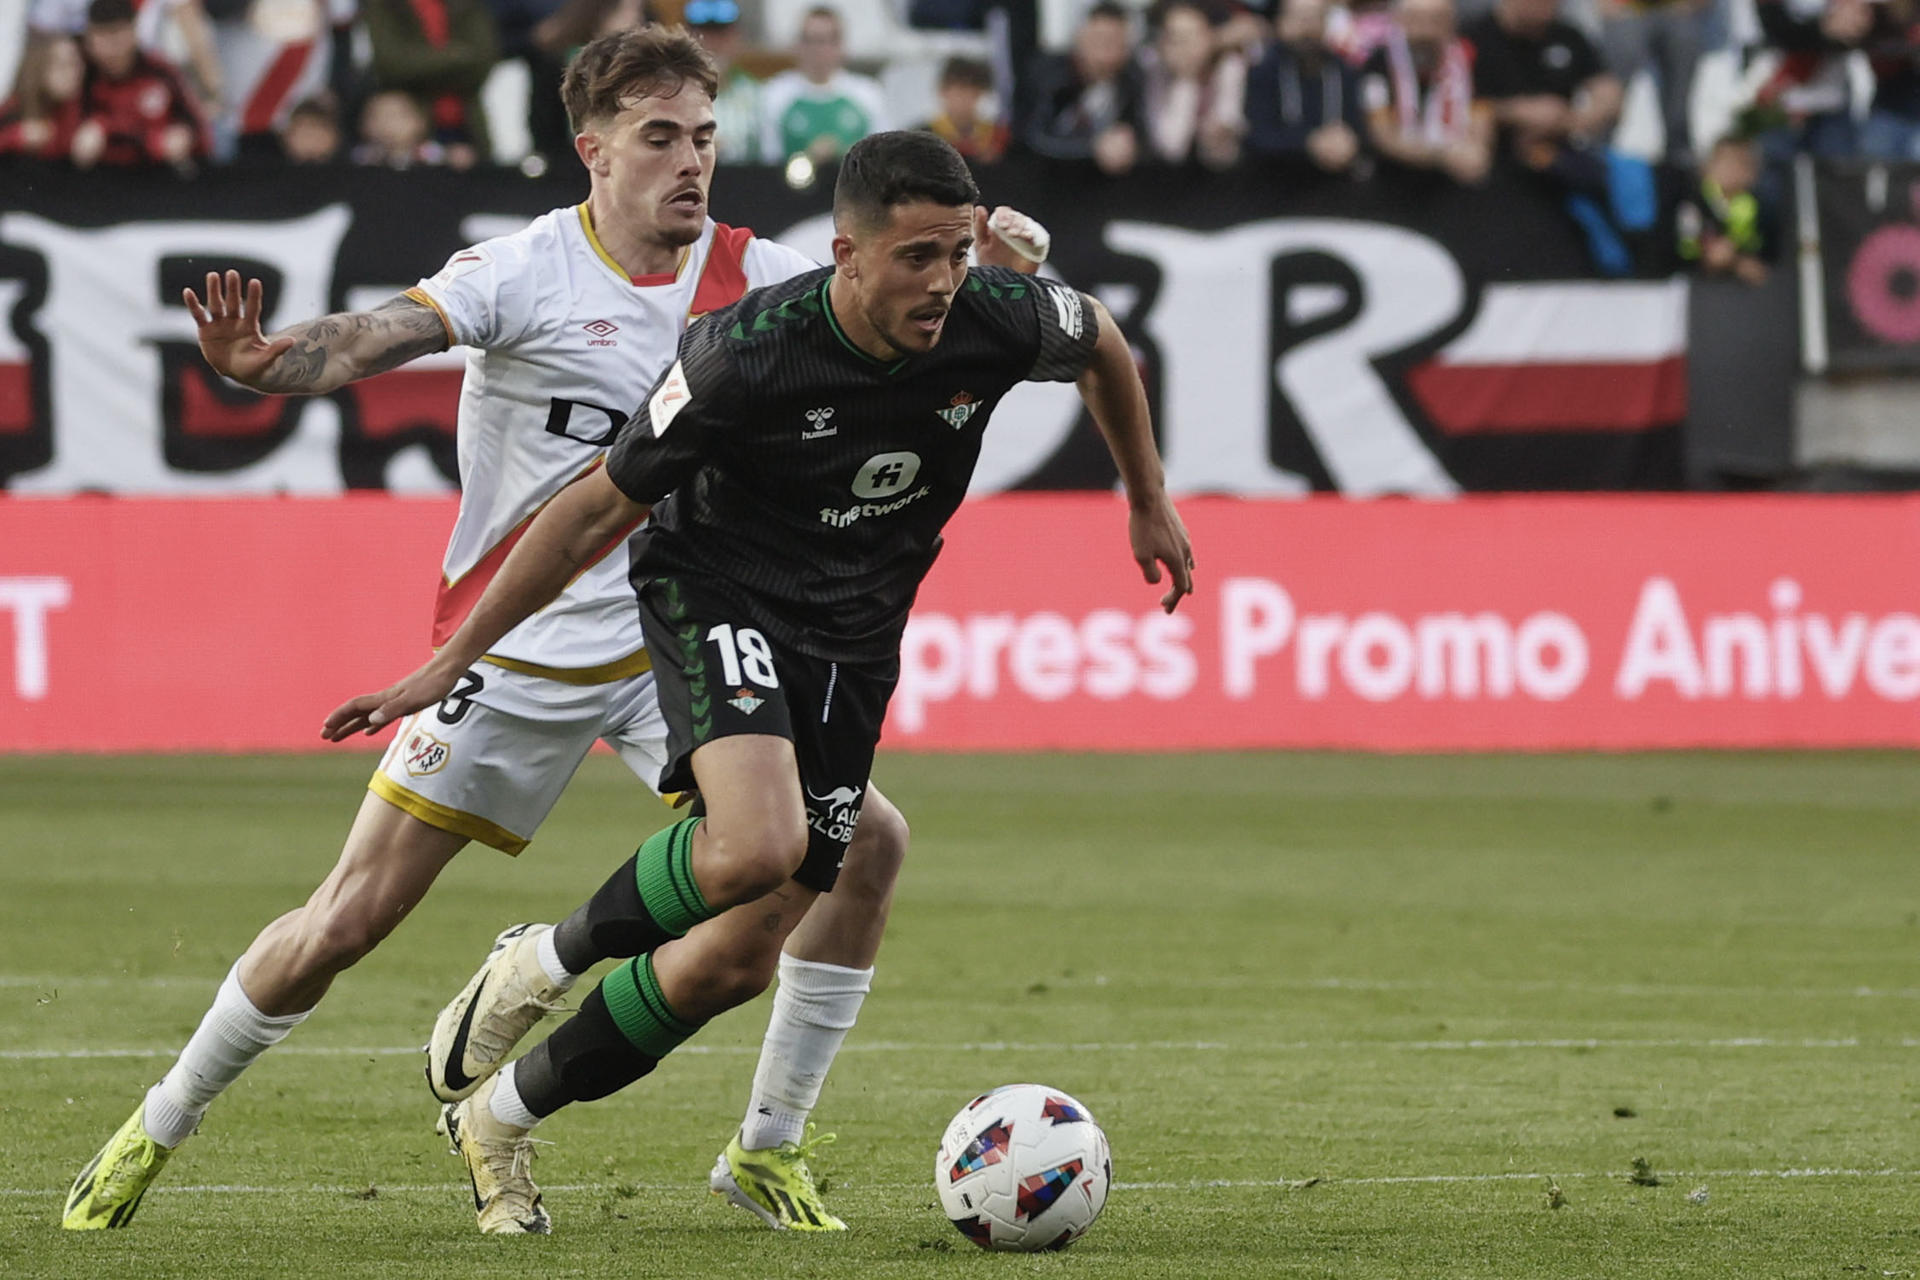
(959, 410)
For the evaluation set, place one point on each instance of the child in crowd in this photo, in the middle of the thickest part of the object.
(312, 133)
(1721, 223)
(394, 133)
(964, 86)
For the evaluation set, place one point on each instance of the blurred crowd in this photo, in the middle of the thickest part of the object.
(1453, 87)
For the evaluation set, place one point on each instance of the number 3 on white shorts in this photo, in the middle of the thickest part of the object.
(744, 648)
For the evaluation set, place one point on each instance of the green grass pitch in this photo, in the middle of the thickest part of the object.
(1341, 1016)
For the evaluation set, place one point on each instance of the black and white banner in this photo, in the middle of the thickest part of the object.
(1870, 265)
(1297, 334)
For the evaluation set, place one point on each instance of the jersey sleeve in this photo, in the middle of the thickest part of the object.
(1069, 327)
(1048, 328)
(769, 262)
(667, 440)
(485, 295)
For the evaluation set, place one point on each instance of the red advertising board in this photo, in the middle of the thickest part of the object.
(1521, 623)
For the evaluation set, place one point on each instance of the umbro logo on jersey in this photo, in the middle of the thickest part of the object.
(602, 331)
(959, 410)
(818, 427)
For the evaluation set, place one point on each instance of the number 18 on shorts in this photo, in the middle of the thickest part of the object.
(721, 675)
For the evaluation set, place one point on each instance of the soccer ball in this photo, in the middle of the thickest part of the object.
(1023, 1168)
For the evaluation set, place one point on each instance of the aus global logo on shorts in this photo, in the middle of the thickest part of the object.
(835, 814)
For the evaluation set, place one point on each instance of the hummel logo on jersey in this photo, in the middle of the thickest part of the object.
(602, 331)
(959, 410)
(817, 428)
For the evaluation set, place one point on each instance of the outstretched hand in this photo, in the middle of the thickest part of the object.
(371, 712)
(1159, 538)
(229, 324)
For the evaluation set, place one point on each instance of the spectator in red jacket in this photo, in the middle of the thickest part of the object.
(45, 131)
(134, 110)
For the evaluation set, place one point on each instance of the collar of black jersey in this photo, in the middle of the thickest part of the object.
(833, 322)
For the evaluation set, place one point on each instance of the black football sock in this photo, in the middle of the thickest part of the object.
(650, 900)
(619, 1035)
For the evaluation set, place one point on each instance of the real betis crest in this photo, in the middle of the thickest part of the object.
(959, 411)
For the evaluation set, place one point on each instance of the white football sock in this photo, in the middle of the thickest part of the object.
(813, 1010)
(229, 1038)
(505, 1103)
(557, 973)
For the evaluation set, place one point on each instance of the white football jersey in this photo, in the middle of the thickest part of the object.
(565, 346)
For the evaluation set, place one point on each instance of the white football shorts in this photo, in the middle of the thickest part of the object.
(490, 762)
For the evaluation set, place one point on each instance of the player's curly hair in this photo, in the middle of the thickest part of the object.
(633, 62)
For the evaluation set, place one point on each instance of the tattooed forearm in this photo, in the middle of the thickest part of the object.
(337, 349)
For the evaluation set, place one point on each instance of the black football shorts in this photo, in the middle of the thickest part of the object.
(720, 674)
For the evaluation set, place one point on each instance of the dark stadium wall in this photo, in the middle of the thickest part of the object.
(1396, 336)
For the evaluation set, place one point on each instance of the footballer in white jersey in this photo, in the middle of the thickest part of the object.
(563, 345)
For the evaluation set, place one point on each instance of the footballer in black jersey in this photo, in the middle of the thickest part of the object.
(813, 478)
(798, 461)
(798, 485)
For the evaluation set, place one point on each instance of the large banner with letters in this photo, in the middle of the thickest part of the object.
(1297, 334)
(1509, 623)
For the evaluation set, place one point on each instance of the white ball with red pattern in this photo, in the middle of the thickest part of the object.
(1023, 1168)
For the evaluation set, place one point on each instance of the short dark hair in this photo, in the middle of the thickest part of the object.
(319, 107)
(109, 13)
(901, 166)
(1106, 9)
(633, 62)
(971, 72)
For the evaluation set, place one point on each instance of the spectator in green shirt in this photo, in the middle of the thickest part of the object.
(819, 107)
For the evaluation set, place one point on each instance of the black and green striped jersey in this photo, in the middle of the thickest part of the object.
(810, 479)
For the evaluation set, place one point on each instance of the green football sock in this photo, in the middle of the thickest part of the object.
(641, 1011)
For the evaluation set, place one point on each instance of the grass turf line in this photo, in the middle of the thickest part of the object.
(1344, 907)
